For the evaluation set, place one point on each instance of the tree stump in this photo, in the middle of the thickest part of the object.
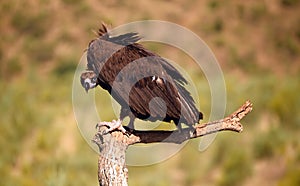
(113, 145)
(111, 163)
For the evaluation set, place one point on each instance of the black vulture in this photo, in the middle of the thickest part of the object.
(145, 85)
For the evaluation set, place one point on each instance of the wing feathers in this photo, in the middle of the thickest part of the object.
(146, 78)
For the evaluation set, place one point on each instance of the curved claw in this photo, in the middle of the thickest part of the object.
(114, 125)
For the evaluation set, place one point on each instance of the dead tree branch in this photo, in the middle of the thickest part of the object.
(111, 165)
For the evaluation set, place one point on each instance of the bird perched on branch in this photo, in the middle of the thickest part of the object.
(145, 85)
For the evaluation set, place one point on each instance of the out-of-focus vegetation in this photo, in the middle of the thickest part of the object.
(257, 44)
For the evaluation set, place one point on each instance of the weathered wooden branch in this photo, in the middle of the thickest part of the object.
(111, 165)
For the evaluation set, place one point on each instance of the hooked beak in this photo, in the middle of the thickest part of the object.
(86, 87)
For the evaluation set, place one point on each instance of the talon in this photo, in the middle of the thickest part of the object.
(114, 125)
(127, 134)
(103, 123)
(128, 130)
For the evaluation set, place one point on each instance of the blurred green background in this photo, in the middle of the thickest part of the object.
(256, 42)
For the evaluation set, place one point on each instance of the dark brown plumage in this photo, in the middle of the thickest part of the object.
(144, 84)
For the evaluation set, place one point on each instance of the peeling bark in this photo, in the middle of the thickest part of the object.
(111, 164)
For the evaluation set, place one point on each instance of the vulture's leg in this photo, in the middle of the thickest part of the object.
(178, 125)
(131, 122)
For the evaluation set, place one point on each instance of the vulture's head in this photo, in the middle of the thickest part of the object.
(88, 80)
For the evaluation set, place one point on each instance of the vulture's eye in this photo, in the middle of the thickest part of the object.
(94, 80)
